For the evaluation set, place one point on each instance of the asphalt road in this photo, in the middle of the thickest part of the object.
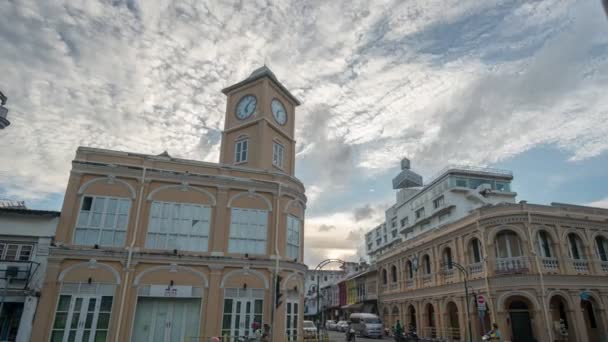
(335, 336)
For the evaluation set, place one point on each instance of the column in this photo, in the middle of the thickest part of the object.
(212, 301)
(579, 318)
(220, 225)
(27, 319)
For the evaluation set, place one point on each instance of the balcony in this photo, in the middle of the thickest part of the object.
(475, 268)
(512, 265)
(604, 266)
(16, 274)
(448, 275)
(393, 286)
(580, 265)
(409, 283)
(427, 279)
(550, 264)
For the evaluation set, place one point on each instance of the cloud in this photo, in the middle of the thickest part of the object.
(467, 82)
(362, 213)
(326, 228)
(602, 203)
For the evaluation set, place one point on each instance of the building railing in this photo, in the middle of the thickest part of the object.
(475, 268)
(604, 266)
(580, 265)
(550, 264)
(448, 274)
(485, 170)
(427, 279)
(16, 274)
(512, 265)
(393, 286)
(409, 283)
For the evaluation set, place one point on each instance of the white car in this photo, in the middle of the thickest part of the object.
(330, 325)
(310, 330)
(342, 326)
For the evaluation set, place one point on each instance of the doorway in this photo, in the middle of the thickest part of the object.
(82, 318)
(454, 324)
(242, 312)
(593, 321)
(521, 329)
(166, 319)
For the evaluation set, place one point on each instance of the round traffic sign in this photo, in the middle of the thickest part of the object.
(481, 299)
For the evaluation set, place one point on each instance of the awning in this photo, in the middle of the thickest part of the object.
(353, 307)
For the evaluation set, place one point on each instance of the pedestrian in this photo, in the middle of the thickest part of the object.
(398, 329)
(495, 334)
(266, 333)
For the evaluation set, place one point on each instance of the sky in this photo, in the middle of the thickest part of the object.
(518, 85)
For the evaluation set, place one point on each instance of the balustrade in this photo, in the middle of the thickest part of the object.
(550, 264)
(580, 265)
(512, 265)
(475, 268)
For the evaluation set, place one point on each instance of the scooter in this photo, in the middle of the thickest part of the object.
(350, 335)
(485, 337)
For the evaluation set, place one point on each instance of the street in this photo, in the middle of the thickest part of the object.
(335, 336)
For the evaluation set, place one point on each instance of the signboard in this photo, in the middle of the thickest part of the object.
(481, 303)
(176, 291)
(584, 295)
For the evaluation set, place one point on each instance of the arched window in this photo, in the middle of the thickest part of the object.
(508, 245)
(410, 269)
(602, 247)
(426, 263)
(544, 244)
(475, 251)
(394, 274)
(447, 258)
(575, 247)
(384, 277)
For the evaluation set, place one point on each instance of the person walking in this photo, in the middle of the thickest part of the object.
(495, 334)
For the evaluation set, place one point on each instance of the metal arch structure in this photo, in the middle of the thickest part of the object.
(464, 271)
(318, 268)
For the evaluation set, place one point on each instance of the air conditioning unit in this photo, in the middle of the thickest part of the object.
(12, 271)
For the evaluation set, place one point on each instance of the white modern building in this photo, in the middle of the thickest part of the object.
(323, 279)
(447, 197)
(25, 238)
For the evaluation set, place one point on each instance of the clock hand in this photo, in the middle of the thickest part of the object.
(248, 104)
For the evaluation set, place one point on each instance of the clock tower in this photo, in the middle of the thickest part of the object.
(259, 125)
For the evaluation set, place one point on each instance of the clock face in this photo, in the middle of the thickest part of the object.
(278, 111)
(246, 107)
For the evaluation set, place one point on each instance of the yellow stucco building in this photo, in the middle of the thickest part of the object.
(156, 248)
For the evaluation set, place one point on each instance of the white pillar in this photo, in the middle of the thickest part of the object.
(27, 319)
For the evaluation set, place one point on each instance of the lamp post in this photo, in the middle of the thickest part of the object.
(318, 268)
(463, 270)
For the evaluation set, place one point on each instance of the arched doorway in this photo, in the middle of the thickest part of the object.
(521, 327)
(411, 318)
(395, 316)
(452, 320)
(593, 320)
(430, 321)
(562, 320)
(386, 316)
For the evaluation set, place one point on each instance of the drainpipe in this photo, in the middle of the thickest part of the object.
(540, 274)
(276, 263)
(130, 254)
(485, 273)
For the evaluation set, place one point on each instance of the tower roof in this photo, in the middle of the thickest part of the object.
(258, 73)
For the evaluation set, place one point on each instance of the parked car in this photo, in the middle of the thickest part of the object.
(342, 326)
(366, 324)
(330, 325)
(310, 330)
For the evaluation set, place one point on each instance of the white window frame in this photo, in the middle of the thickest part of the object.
(247, 237)
(85, 227)
(278, 154)
(292, 315)
(4, 247)
(541, 249)
(178, 230)
(241, 150)
(294, 236)
(509, 245)
(578, 243)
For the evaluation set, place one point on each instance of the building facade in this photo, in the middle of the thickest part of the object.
(25, 238)
(542, 272)
(166, 249)
(447, 197)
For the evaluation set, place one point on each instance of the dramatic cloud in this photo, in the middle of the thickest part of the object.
(326, 228)
(440, 81)
(362, 213)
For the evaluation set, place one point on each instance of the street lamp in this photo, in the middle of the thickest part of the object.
(318, 268)
(463, 270)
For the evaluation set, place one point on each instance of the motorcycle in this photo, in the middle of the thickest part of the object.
(485, 337)
(350, 335)
(412, 335)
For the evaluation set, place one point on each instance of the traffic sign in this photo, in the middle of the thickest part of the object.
(481, 303)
